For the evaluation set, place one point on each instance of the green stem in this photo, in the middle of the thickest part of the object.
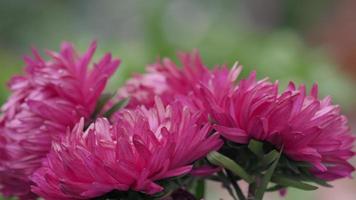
(251, 191)
(235, 185)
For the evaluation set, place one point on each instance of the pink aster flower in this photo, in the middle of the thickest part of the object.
(170, 82)
(51, 96)
(140, 148)
(308, 128)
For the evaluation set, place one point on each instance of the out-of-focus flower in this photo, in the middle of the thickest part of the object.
(51, 96)
(171, 82)
(308, 129)
(140, 148)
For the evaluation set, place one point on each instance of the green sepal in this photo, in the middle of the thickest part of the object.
(256, 147)
(289, 182)
(273, 157)
(219, 159)
(269, 158)
(275, 188)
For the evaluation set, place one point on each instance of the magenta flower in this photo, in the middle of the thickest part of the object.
(51, 96)
(309, 129)
(171, 82)
(143, 146)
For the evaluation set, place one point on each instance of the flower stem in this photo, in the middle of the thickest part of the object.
(235, 185)
(252, 188)
(251, 191)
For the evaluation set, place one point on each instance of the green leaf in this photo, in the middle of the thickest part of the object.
(293, 166)
(200, 189)
(256, 147)
(104, 98)
(121, 104)
(269, 158)
(289, 182)
(274, 157)
(316, 180)
(275, 188)
(223, 161)
(307, 176)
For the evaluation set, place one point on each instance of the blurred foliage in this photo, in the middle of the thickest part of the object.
(139, 32)
(9, 66)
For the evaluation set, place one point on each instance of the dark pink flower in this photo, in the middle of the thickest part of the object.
(309, 129)
(51, 96)
(141, 147)
(170, 82)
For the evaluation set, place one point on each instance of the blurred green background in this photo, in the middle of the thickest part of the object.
(304, 41)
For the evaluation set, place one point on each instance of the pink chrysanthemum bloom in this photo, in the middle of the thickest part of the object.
(170, 82)
(309, 129)
(141, 147)
(51, 96)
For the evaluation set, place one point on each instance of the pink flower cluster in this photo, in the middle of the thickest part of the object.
(175, 117)
(168, 81)
(307, 128)
(143, 146)
(51, 97)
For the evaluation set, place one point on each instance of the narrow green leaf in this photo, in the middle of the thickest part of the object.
(275, 188)
(304, 164)
(293, 166)
(268, 175)
(316, 180)
(104, 98)
(256, 147)
(309, 177)
(288, 182)
(121, 104)
(200, 189)
(223, 161)
(269, 158)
